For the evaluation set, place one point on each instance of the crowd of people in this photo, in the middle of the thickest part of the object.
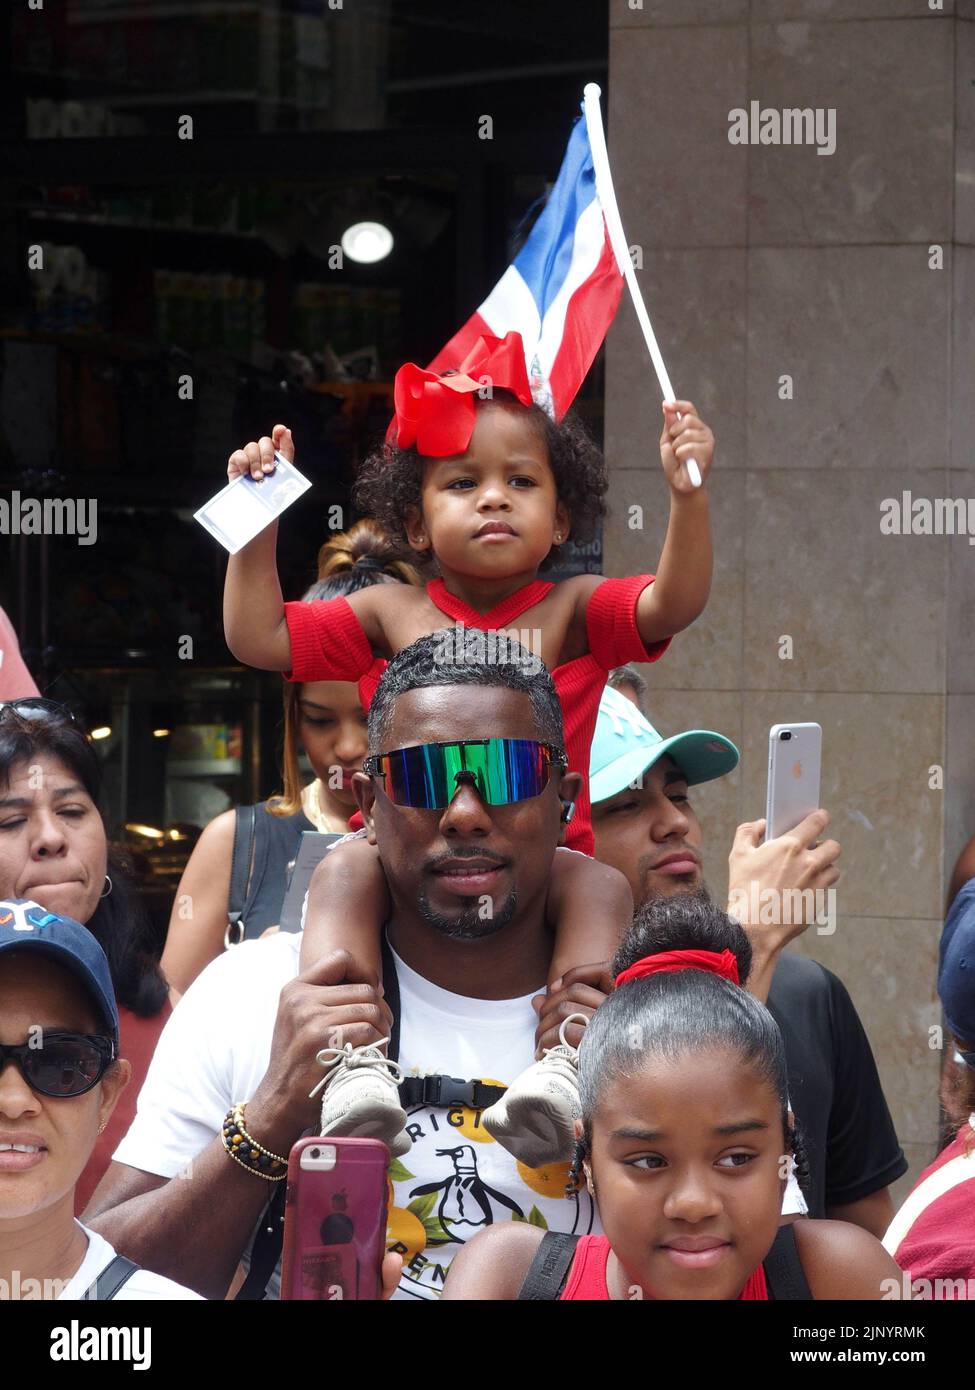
(649, 1096)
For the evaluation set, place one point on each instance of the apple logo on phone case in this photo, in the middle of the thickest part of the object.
(797, 770)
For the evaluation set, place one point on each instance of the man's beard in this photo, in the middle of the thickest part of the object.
(468, 925)
(681, 890)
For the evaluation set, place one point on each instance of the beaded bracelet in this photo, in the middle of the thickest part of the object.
(246, 1151)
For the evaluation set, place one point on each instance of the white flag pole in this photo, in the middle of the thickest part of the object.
(607, 199)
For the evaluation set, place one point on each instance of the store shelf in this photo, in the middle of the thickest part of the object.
(199, 9)
(53, 213)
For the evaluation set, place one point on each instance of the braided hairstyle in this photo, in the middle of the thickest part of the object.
(670, 1014)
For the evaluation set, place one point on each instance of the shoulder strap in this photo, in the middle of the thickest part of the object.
(446, 1091)
(784, 1274)
(245, 829)
(266, 1250)
(261, 853)
(550, 1267)
(111, 1279)
(391, 995)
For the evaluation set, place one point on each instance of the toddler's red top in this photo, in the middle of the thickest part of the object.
(328, 643)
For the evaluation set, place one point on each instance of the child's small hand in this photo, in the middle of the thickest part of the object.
(683, 439)
(257, 457)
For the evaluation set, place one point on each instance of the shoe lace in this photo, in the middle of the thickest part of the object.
(367, 1055)
(565, 1048)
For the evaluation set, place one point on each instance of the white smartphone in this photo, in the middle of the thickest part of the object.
(794, 756)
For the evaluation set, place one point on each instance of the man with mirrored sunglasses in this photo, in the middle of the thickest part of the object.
(466, 795)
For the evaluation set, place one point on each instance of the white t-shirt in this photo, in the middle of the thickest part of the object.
(205, 1061)
(141, 1286)
(455, 1180)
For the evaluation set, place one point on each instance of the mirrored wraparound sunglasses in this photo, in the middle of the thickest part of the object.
(501, 770)
(65, 1065)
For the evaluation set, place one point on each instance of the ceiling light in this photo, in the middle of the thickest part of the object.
(367, 242)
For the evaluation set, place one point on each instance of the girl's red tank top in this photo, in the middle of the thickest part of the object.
(586, 1280)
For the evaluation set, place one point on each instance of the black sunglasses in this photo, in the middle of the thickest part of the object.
(35, 707)
(64, 1066)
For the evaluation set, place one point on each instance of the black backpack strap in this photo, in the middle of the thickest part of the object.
(245, 830)
(448, 1091)
(261, 843)
(445, 1091)
(549, 1269)
(391, 994)
(783, 1269)
(111, 1279)
(266, 1250)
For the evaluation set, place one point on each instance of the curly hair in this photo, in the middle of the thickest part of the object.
(390, 478)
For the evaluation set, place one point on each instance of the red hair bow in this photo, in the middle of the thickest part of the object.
(436, 413)
(721, 963)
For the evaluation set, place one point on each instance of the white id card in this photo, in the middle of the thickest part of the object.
(242, 509)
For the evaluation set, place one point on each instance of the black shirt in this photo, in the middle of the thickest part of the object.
(851, 1147)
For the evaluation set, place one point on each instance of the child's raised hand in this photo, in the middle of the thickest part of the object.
(257, 457)
(683, 439)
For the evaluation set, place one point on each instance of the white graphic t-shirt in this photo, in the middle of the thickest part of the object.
(455, 1180)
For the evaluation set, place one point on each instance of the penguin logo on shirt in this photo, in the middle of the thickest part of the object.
(465, 1200)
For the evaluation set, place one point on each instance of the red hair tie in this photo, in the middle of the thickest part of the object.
(721, 963)
(436, 413)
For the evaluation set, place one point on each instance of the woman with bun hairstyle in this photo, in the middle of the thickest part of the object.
(686, 1142)
(327, 719)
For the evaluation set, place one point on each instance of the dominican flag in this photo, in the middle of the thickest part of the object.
(560, 292)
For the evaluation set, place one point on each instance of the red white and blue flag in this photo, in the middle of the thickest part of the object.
(560, 292)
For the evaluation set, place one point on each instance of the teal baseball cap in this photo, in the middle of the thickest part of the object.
(625, 744)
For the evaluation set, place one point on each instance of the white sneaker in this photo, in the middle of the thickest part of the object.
(361, 1099)
(535, 1118)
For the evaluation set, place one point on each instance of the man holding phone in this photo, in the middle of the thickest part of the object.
(646, 828)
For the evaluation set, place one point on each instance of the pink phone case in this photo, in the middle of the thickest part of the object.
(335, 1223)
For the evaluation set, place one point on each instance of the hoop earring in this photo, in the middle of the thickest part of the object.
(106, 891)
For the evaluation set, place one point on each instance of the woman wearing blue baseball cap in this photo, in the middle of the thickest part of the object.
(60, 1080)
(932, 1237)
